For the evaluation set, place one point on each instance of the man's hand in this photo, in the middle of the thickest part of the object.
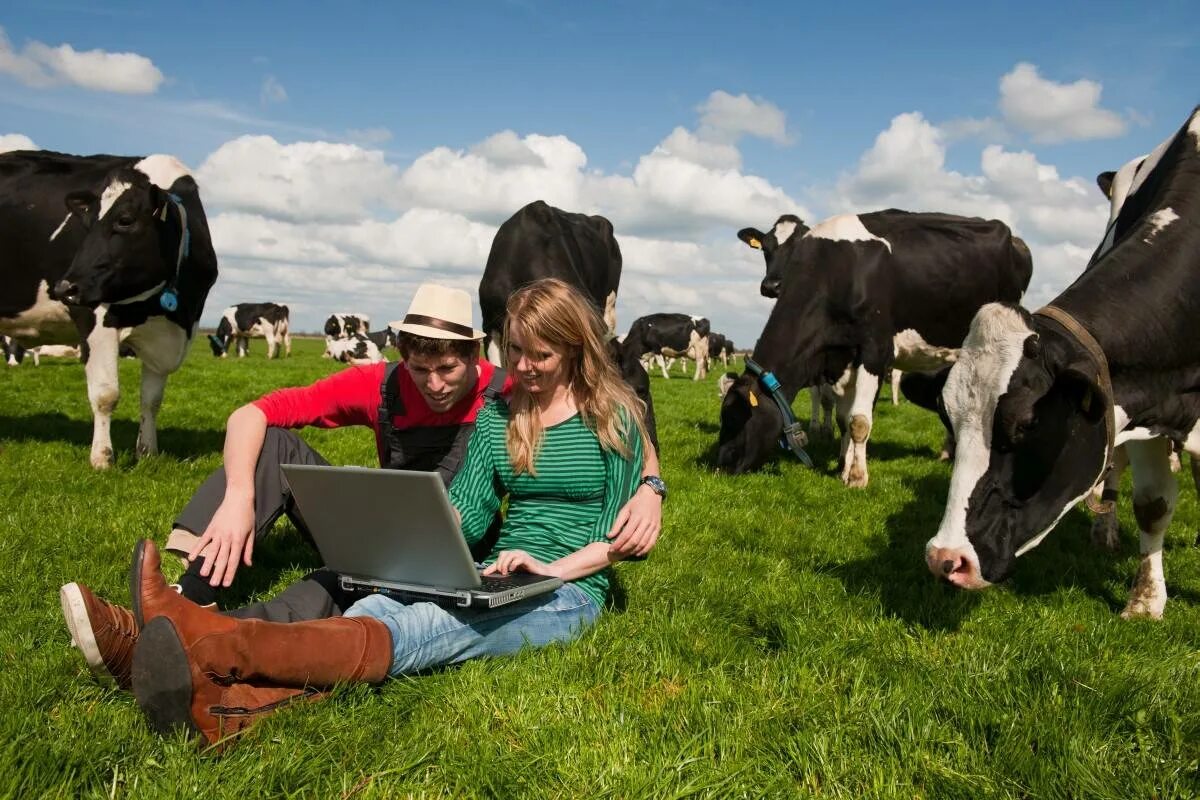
(518, 561)
(636, 528)
(228, 539)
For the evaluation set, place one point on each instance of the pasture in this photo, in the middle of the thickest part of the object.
(785, 638)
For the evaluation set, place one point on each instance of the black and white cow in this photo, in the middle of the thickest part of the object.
(660, 336)
(14, 353)
(1038, 400)
(847, 287)
(240, 322)
(383, 339)
(105, 250)
(541, 241)
(344, 326)
(357, 349)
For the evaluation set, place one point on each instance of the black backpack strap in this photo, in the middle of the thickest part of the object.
(495, 387)
(390, 404)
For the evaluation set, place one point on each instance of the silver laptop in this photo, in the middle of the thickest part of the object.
(394, 532)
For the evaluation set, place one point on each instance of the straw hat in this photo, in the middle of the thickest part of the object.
(438, 312)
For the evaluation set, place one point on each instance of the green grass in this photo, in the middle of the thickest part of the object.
(785, 638)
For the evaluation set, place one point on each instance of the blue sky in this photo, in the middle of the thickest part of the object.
(1005, 110)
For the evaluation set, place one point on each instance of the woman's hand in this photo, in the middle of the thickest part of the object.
(518, 561)
(638, 524)
(228, 539)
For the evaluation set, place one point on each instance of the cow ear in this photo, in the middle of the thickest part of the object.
(1033, 347)
(1085, 393)
(1105, 180)
(752, 237)
(81, 204)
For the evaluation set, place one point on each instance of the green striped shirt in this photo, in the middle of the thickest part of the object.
(571, 502)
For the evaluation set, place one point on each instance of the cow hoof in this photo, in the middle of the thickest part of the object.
(1106, 533)
(855, 478)
(103, 459)
(1143, 609)
(945, 455)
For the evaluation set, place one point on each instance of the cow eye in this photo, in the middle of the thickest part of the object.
(126, 221)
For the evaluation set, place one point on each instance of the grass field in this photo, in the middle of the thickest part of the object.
(784, 640)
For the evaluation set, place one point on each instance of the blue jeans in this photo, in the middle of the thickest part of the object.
(427, 635)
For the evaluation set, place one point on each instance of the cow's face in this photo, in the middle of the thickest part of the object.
(1031, 441)
(124, 254)
(750, 427)
(785, 228)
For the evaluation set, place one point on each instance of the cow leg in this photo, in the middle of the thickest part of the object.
(862, 399)
(662, 364)
(153, 385)
(243, 346)
(1154, 493)
(287, 342)
(948, 443)
(814, 417)
(1195, 465)
(162, 346)
(701, 356)
(272, 344)
(1176, 464)
(103, 390)
(1106, 532)
(896, 386)
(827, 402)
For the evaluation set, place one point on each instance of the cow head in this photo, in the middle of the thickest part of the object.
(130, 248)
(750, 427)
(1032, 440)
(785, 227)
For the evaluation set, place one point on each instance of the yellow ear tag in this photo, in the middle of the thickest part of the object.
(753, 400)
(755, 243)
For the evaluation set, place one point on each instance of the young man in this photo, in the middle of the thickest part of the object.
(422, 418)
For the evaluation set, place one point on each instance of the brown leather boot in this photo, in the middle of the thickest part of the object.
(149, 591)
(103, 632)
(187, 657)
(243, 704)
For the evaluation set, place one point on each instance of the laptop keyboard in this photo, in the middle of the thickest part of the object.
(502, 583)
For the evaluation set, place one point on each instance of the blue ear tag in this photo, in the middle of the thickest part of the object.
(168, 300)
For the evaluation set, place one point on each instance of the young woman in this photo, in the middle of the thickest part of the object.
(566, 451)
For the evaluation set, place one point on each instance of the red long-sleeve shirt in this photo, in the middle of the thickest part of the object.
(351, 397)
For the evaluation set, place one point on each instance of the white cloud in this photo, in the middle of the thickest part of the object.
(725, 117)
(1056, 112)
(40, 65)
(16, 141)
(302, 182)
(272, 91)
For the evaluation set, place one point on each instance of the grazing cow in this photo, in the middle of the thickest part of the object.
(14, 353)
(1038, 401)
(105, 250)
(541, 241)
(720, 347)
(52, 351)
(343, 326)
(383, 339)
(847, 287)
(240, 322)
(357, 349)
(671, 335)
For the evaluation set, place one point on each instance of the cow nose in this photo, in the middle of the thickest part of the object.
(66, 292)
(769, 287)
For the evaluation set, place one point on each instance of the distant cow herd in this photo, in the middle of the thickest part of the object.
(106, 255)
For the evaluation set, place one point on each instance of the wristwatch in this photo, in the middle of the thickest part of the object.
(656, 485)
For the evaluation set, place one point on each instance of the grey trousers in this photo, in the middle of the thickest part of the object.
(318, 595)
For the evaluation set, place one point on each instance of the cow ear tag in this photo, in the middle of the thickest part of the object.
(755, 243)
(168, 300)
(753, 399)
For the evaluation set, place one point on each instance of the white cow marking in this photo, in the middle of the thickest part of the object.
(1160, 219)
(784, 231)
(46, 321)
(1194, 129)
(61, 225)
(162, 170)
(845, 228)
(914, 354)
(110, 196)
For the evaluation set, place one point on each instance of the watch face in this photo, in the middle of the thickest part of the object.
(655, 483)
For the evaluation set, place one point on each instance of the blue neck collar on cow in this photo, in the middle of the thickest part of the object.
(792, 437)
(169, 299)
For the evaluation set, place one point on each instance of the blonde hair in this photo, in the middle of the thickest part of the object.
(554, 312)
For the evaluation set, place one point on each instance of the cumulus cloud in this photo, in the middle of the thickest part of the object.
(726, 117)
(40, 65)
(1056, 112)
(1061, 218)
(301, 182)
(344, 217)
(16, 141)
(272, 91)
